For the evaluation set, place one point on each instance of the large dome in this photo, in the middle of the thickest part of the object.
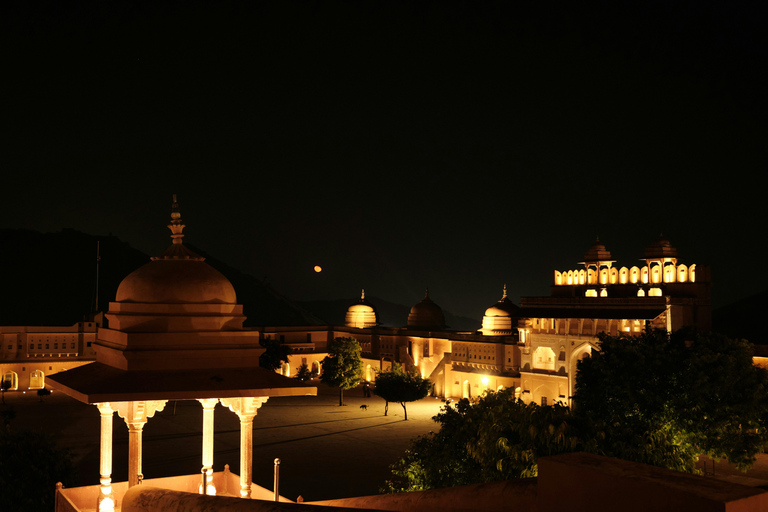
(176, 276)
(426, 315)
(176, 281)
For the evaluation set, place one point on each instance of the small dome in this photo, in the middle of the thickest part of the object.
(597, 252)
(661, 248)
(361, 314)
(426, 315)
(499, 318)
(176, 281)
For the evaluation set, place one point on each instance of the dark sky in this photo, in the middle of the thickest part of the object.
(400, 145)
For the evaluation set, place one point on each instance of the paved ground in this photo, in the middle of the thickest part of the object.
(326, 451)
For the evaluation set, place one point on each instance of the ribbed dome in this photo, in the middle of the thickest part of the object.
(426, 315)
(499, 318)
(176, 281)
(361, 314)
(661, 248)
(597, 252)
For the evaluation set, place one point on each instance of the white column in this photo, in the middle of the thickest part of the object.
(105, 500)
(245, 408)
(135, 415)
(208, 408)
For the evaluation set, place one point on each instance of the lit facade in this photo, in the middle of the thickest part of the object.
(533, 347)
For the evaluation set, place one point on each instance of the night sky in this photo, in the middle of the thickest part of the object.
(457, 146)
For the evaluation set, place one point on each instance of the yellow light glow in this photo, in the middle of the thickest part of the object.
(318, 268)
(484, 380)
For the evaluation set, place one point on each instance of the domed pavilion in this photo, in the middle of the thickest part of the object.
(175, 332)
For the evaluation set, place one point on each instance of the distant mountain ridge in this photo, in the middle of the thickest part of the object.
(50, 279)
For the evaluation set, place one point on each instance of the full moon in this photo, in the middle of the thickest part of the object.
(318, 268)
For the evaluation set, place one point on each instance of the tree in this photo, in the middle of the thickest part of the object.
(401, 386)
(303, 373)
(663, 399)
(657, 398)
(342, 367)
(275, 354)
(497, 438)
(32, 464)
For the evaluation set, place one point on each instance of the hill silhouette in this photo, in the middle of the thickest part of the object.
(50, 279)
(741, 319)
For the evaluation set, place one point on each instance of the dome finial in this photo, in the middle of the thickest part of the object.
(362, 295)
(176, 226)
(505, 292)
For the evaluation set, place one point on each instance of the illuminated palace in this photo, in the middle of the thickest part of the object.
(533, 347)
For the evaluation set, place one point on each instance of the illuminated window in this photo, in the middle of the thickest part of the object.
(654, 292)
(603, 292)
(641, 293)
(10, 381)
(590, 293)
(37, 380)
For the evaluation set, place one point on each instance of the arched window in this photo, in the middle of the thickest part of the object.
(570, 277)
(634, 275)
(669, 273)
(603, 292)
(682, 274)
(654, 292)
(644, 275)
(655, 274)
(640, 292)
(544, 358)
(582, 276)
(10, 381)
(692, 273)
(623, 275)
(604, 276)
(590, 293)
(37, 380)
(558, 278)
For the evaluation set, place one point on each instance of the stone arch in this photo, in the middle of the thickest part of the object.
(670, 273)
(682, 273)
(644, 275)
(10, 381)
(582, 276)
(634, 275)
(623, 275)
(37, 380)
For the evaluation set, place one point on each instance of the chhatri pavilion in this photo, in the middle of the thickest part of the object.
(175, 332)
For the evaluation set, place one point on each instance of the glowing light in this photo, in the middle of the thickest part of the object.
(318, 268)
(484, 380)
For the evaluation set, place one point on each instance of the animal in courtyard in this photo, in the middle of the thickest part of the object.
(364, 407)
